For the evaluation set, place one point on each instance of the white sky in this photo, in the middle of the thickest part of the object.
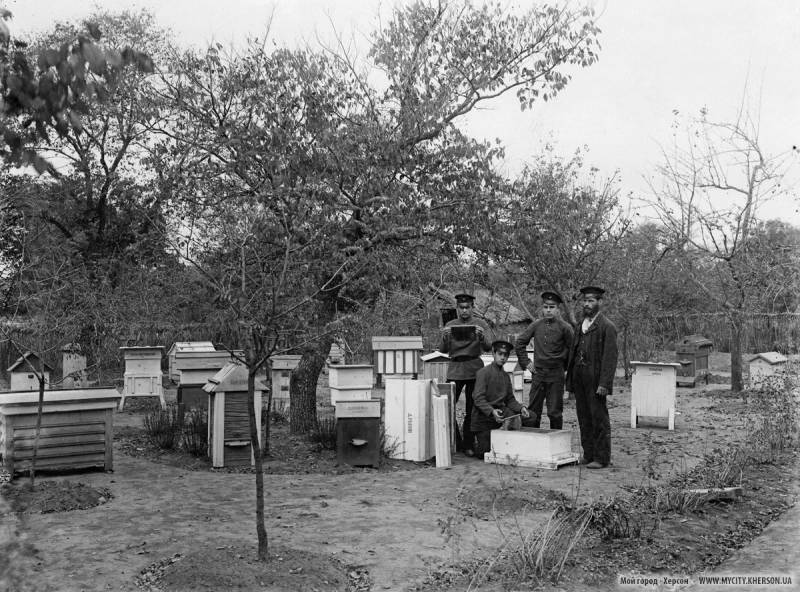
(657, 56)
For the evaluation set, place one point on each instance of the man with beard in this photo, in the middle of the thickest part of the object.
(590, 375)
(465, 338)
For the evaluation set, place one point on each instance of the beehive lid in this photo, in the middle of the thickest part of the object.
(141, 351)
(186, 346)
(771, 357)
(231, 378)
(435, 356)
(286, 362)
(201, 360)
(391, 342)
(35, 360)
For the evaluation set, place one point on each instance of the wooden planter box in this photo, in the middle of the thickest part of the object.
(76, 433)
(531, 447)
(653, 391)
(228, 422)
(143, 374)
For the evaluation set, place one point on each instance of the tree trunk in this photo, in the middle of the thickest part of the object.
(737, 383)
(303, 388)
(261, 530)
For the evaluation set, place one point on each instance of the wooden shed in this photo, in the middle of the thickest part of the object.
(765, 366)
(143, 373)
(184, 346)
(22, 378)
(76, 432)
(397, 357)
(228, 421)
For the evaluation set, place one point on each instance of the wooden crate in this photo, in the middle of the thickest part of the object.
(653, 389)
(76, 430)
(531, 447)
(228, 422)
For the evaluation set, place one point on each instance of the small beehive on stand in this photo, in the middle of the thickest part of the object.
(408, 419)
(766, 366)
(184, 346)
(73, 367)
(282, 367)
(531, 447)
(228, 419)
(351, 382)
(194, 369)
(143, 373)
(653, 391)
(23, 378)
(396, 357)
(434, 366)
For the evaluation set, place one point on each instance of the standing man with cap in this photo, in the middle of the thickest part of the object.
(552, 340)
(464, 339)
(590, 375)
(495, 403)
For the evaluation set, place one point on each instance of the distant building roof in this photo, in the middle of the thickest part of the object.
(771, 357)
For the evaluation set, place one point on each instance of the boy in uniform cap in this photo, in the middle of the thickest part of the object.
(590, 375)
(552, 340)
(495, 404)
(465, 345)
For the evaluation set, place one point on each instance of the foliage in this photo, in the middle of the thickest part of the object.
(194, 437)
(325, 433)
(164, 427)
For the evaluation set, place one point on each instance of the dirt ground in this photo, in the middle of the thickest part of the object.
(166, 523)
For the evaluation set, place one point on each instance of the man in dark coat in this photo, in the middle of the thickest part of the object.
(494, 399)
(464, 339)
(552, 340)
(590, 375)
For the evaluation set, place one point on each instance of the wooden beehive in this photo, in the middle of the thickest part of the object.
(228, 420)
(408, 419)
(282, 367)
(194, 369)
(434, 366)
(143, 373)
(692, 354)
(73, 367)
(358, 433)
(397, 357)
(653, 391)
(531, 447)
(23, 378)
(352, 382)
(184, 346)
(76, 430)
(766, 366)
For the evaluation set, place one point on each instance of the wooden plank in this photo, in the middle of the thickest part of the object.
(64, 430)
(53, 440)
(62, 462)
(60, 451)
(717, 493)
(532, 463)
(441, 430)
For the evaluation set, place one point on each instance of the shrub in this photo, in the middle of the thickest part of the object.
(164, 426)
(195, 432)
(324, 433)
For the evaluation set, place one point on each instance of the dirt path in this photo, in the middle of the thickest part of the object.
(395, 524)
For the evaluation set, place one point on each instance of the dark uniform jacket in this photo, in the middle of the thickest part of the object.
(552, 340)
(597, 349)
(493, 390)
(465, 355)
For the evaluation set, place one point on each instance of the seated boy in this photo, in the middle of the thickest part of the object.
(494, 399)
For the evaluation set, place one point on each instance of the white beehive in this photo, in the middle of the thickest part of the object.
(352, 382)
(766, 366)
(531, 447)
(73, 367)
(185, 346)
(281, 374)
(408, 419)
(142, 373)
(653, 391)
(397, 357)
(23, 378)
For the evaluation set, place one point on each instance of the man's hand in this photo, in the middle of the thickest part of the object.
(525, 413)
(602, 391)
(479, 331)
(498, 415)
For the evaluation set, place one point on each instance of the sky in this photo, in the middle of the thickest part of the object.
(660, 61)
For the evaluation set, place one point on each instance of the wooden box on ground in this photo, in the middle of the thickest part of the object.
(23, 378)
(194, 369)
(76, 430)
(228, 420)
(143, 373)
(351, 382)
(358, 433)
(181, 347)
(765, 367)
(281, 374)
(397, 357)
(653, 391)
(408, 419)
(531, 447)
